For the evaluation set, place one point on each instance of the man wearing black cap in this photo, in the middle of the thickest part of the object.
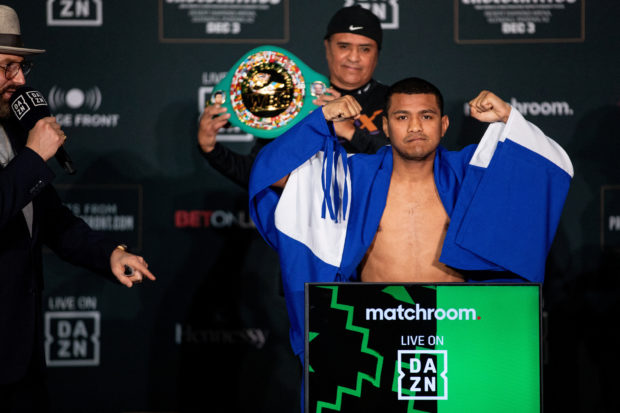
(352, 45)
(31, 214)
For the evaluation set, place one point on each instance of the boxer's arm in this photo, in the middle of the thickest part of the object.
(344, 108)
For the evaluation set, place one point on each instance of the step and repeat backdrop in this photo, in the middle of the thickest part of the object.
(127, 80)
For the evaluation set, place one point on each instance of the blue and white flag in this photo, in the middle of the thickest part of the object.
(509, 204)
(504, 198)
(308, 223)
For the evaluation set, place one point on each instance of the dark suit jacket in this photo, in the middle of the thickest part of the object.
(28, 178)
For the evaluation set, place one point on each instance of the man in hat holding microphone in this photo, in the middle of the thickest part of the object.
(31, 215)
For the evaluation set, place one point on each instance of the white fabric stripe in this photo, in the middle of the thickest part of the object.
(298, 214)
(486, 148)
(526, 134)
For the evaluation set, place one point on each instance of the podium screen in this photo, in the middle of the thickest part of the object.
(420, 348)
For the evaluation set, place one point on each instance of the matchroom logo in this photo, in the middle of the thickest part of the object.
(536, 108)
(74, 12)
(419, 313)
(422, 375)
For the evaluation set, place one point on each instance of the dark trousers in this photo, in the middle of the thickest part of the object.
(27, 395)
(30, 393)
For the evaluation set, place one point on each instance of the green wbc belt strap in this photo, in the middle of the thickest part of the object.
(268, 91)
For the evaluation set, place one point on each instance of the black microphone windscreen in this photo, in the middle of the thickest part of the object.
(28, 106)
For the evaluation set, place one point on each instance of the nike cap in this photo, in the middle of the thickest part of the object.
(356, 20)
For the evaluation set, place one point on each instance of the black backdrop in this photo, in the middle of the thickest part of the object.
(127, 78)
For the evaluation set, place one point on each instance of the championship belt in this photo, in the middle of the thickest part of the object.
(268, 91)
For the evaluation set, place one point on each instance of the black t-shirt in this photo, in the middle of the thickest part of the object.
(368, 136)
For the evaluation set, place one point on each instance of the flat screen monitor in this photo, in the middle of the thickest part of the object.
(423, 348)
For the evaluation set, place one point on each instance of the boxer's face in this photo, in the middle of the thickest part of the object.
(351, 59)
(414, 125)
(8, 86)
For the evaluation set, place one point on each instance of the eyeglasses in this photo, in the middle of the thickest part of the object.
(12, 69)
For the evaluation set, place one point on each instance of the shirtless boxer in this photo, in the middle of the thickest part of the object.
(413, 212)
(408, 242)
(410, 235)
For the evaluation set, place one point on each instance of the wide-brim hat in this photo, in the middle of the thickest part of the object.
(10, 34)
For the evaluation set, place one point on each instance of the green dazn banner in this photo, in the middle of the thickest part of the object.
(416, 348)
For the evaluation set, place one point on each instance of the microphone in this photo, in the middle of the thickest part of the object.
(29, 106)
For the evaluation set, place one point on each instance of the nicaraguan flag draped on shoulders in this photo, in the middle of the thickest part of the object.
(504, 197)
(308, 223)
(509, 204)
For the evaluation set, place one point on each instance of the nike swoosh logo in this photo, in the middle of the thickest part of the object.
(354, 28)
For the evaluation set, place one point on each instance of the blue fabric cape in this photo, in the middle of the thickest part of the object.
(504, 197)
